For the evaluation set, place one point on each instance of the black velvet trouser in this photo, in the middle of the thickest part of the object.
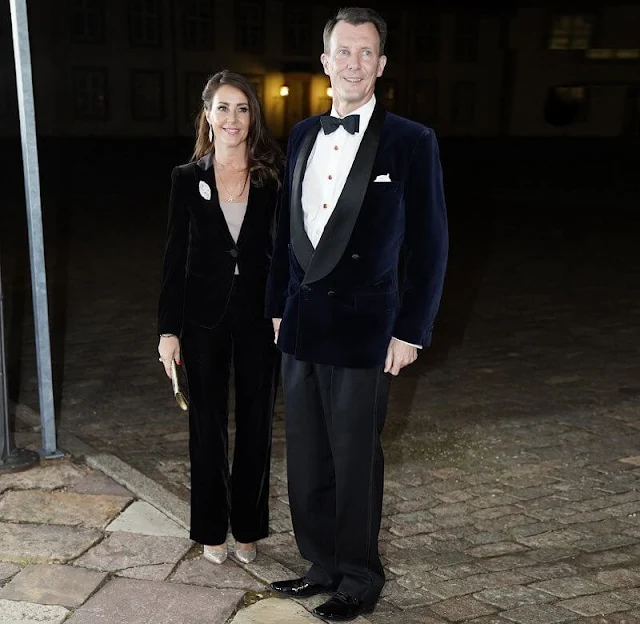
(240, 496)
(335, 466)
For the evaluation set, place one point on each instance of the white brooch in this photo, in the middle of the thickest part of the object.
(383, 178)
(205, 190)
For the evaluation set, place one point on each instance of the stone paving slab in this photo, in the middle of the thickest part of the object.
(570, 587)
(159, 572)
(12, 612)
(268, 569)
(68, 508)
(7, 570)
(37, 543)
(122, 551)
(600, 604)
(98, 483)
(61, 585)
(141, 517)
(228, 575)
(146, 602)
(538, 614)
(141, 485)
(274, 611)
(385, 613)
(44, 476)
(462, 609)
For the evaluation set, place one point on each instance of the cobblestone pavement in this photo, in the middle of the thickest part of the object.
(75, 546)
(512, 446)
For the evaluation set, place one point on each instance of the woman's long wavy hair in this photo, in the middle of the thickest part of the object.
(265, 158)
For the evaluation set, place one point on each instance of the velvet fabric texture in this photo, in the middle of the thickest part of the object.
(377, 272)
(239, 496)
(220, 320)
(336, 505)
(342, 302)
(200, 253)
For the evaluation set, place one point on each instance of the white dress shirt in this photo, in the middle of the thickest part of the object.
(327, 169)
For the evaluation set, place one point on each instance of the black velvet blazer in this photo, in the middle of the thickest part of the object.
(201, 255)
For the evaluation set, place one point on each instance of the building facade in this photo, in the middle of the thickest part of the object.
(137, 67)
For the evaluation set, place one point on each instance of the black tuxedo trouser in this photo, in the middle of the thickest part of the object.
(240, 496)
(335, 467)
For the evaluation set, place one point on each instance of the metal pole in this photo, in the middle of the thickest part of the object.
(11, 459)
(24, 82)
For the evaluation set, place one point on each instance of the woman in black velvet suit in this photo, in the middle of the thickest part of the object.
(211, 312)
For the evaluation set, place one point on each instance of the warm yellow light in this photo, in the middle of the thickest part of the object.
(284, 90)
(329, 92)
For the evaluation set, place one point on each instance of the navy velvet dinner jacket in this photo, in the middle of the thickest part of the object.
(341, 303)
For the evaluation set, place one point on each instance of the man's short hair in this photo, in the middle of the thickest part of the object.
(356, 16)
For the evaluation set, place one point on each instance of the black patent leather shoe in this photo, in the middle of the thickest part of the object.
(300, 587)
(342, 608)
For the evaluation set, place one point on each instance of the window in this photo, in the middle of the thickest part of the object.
(147, 95)
(296, 29)
(426, 38)
(571, 32)
(613, 54)
(196, 82)
(424, 102)
(250, 27)
(198, 24)
(463, 102)
(87, 21)
(90, 93)
(257, 82)
(465, 43)
(566, 105)
(145, 27)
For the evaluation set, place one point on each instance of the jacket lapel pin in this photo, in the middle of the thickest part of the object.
(205, 190)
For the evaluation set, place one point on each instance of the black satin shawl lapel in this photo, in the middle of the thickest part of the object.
(302, 247)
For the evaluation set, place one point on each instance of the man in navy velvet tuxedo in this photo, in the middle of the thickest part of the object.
(363, 195)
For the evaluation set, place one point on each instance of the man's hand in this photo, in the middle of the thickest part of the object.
(276, 328)
(399, 355)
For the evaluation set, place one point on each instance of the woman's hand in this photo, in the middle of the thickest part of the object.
(169, 350)
(276, 328)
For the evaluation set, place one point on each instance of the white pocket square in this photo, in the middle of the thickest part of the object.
(383, 178)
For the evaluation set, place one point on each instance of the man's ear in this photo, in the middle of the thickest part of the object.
(324, 59)
(382, 62)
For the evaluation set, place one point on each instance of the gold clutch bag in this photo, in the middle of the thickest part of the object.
(178, 393)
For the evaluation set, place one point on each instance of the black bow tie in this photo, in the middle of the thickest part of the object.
(330, 124)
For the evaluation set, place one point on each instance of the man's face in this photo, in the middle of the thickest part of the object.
(353, 63)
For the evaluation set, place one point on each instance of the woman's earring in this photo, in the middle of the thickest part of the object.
(210, 134)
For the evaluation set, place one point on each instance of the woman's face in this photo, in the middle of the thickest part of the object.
(229, 116)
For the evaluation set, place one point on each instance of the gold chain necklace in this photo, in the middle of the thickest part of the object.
(232, 196)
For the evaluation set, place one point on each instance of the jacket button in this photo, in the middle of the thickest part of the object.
(331, 293)
(355, 257)
(233, 253)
